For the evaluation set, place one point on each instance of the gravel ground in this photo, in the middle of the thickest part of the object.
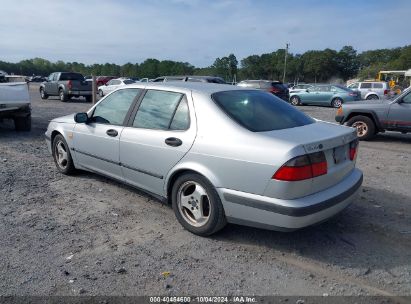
(88, 235)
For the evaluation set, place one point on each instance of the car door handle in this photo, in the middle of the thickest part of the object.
(173, 141)
(112, 133)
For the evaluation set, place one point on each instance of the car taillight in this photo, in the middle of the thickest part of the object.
(274, 90)
(385, 92)
(302, 167)
(353, 149)
(69, 84)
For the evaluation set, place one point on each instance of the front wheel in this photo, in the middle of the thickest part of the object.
(61, 155)
(336, 102)
(43, 94)
(364, 125)
(197, 205)
(295, 101)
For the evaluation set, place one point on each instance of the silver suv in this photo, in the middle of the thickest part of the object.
(371, 90)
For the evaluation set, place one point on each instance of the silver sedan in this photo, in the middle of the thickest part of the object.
(217, 153)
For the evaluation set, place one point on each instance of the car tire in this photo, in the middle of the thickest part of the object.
(43, 94)
(372, 97)
(63, 96)
(295, 100)
(193, 192)
(100, 93)
(89, 98)
(22, 123)
(336, 102)
(364, 125)
(62, 156)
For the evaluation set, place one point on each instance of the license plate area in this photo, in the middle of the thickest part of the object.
(339, 155)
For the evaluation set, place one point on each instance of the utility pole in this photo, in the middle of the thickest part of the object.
(285, 60)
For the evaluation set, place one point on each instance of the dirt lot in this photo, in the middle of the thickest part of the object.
(88, 235)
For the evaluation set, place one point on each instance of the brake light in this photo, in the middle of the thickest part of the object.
(385, 92)
(353, 149)
(274, 90)
(303, 167)
(352, 94)
(69, 84)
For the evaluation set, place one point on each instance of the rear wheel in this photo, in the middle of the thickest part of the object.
(22, 123)
(197, 205)
(372, 97)
(295, 101)
(63, 96)
(364, 125)
(61, 155)
(43, 94)
(89, 98)
(337, 102)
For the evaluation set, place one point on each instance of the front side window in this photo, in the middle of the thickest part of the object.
(353, 86)
(407, 98)
(259, 111)
(114, 108)
(157, 110)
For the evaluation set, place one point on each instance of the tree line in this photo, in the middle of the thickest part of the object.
(311, 66)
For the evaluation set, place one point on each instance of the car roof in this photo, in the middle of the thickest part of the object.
(201, 87)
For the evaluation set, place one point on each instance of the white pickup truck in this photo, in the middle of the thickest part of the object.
(15, 103)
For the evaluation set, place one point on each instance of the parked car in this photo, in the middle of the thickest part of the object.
(37, 79)
(324, 94)
(372, 89)
(372, 118)
(209, 79)
(112, 85)
(300, 87)
(15, 103)
(2, 76)
(66, 85)
(102, 80)
(258, 162)
(275, 87)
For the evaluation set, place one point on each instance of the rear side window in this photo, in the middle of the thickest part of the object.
(366, 85)
(377, 85)
(158, 109)
(260, 111)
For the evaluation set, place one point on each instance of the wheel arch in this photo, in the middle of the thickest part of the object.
(184, 169)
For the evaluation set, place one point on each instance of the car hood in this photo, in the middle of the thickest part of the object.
(368, 104)
(65, 119)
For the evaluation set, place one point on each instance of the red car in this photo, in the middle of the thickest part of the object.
(102, 80)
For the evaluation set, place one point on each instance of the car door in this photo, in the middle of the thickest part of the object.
(309, 95)
(47, 85)
(96, 143)
(158, 135)
(365, 88)
(399, 114)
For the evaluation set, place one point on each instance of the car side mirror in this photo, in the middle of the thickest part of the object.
(307, 90)
(81, 118)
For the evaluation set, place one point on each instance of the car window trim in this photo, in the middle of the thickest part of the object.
(138, 104)
(175, 110)
(130, 110)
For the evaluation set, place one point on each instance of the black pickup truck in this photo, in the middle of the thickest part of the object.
(66, 85)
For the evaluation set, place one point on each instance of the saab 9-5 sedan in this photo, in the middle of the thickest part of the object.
(217, 153)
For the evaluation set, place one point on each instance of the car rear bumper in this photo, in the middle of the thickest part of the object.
(80, 93)
(285, 215)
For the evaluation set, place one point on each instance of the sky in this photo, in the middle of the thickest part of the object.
(194, 31)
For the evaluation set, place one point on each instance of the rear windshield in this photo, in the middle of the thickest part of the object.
(71, 76)
(259, 111)
(279, 86)
(128, 81)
